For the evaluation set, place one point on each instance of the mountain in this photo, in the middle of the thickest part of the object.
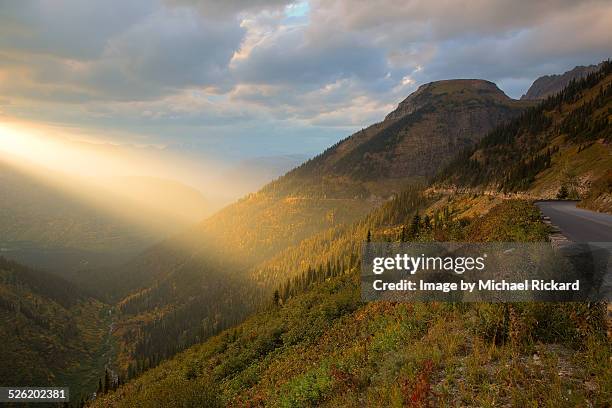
(561, 148)
(178, 204)
(318, 345)
(52, 332)
(252, 173)
(68, 224)
(345, 182)
(410, 145)
(315, 343)
(213, 275)
(549, 85)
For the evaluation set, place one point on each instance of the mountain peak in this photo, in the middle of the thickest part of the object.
(548, 85)
(459, 90)
(427, 128)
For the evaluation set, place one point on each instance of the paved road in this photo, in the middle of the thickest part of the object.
(577, 224)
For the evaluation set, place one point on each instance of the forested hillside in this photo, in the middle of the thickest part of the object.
(559, 149)
(296, 353)
(197, 283)
(52, 333)
(317, 344)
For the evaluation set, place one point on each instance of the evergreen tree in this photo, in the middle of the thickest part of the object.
(563, 193)
(415, 225)
(107, 382)
(427, 222)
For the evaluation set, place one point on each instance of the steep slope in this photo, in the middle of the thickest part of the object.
(52, 333)
(298, 354)
(350, 178)
(212, 276)
(70, 225)
(321, 346)
(599, 195)
(411, 144)
(560, 148)
(548, 85)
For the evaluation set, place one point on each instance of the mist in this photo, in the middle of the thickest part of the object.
(153, 187)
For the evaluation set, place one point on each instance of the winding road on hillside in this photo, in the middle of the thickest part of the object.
(577, 224)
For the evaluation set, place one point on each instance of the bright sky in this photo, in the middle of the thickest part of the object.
(237, 79)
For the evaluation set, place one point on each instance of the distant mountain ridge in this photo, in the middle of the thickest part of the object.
(548, 85)
(72, 225)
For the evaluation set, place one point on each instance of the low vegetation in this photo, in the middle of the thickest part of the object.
(557, 147)
(324, 347)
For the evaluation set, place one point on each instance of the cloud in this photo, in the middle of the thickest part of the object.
(289, 56)
(164, 50)
(245, 70)
(66, 28)
(229, 8)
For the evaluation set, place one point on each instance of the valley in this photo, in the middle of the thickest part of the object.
(327, 258)
(305, 203)
(254, 302)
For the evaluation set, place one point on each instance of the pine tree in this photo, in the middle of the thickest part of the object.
(563, 193)
(107, 384)
(415, 225)
(427, 222)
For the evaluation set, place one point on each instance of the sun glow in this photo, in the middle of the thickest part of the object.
(20, 142)
(61, 151)
(138, 187)
(147, 185)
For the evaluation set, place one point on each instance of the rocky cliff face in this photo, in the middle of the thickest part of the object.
(548, 85)
(428, 128)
